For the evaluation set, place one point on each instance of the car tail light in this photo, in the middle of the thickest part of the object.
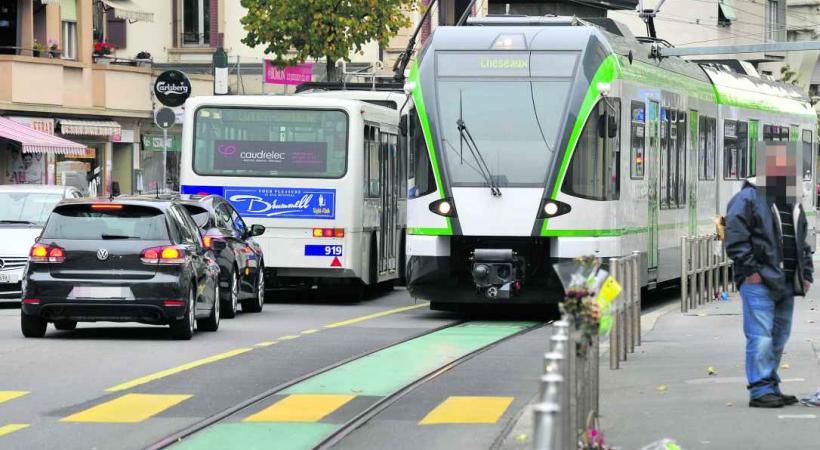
(99, 206)
(163, 255)
(41, 253)
(31, 301)
(174, 303)
(329, 232)
(208, 240)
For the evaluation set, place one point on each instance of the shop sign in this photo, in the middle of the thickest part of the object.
(37, 123)
(291, 75)
(153, 143)
(172, 88)
(89, 153)
(125, 137)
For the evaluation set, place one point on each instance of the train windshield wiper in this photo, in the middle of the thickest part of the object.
(16, 222)
(465, 135)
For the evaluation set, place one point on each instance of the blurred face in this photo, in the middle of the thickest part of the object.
(777, 172)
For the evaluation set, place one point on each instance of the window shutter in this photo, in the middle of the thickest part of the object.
(115, 30)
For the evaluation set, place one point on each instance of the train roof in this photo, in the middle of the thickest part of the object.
(635, 58)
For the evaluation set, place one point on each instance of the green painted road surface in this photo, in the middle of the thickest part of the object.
(379, 374)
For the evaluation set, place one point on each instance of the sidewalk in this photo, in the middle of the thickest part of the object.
(664, 389)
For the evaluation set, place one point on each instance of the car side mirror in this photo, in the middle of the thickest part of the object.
(257, 230)
(218, 245)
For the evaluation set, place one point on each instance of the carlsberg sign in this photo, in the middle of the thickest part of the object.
(172, 88)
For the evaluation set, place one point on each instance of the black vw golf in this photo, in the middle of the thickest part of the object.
(121, 260)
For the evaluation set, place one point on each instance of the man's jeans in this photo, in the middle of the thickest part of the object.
(767, 325)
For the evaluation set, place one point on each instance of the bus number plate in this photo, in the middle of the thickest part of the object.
(323, 250)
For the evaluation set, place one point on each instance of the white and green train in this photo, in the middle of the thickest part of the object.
(533, 140)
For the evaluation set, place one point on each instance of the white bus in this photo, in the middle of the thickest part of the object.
(325, 176)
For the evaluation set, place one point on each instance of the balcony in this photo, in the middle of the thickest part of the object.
(62, 86)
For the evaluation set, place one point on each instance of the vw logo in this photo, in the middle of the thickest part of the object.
(2, 263)
(102, 254)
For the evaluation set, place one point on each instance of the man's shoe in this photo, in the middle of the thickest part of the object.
(767, 401)
(788, 399)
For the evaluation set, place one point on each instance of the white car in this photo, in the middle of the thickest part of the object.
(24, 209)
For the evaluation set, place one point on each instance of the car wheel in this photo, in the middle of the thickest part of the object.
(232, 303)
(255, 304)
(32, 326)
(183, 329)
(211, 323)
(65, 325)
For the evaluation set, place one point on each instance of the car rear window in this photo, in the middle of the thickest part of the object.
(89, 222)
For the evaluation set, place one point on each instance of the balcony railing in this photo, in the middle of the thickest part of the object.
(22, 51)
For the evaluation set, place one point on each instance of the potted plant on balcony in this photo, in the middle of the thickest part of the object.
(53, 49)
(37, 49)
(102, 48)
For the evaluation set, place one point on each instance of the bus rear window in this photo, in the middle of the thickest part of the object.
(84, 222)
(265, 142)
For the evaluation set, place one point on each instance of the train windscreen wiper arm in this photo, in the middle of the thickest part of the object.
(465, 135)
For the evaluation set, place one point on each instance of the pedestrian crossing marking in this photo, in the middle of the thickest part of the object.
(301, 408)
(12, 427)
(129, 408)
(458, 409)
(11, 395)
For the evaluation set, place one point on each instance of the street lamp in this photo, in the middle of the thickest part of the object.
(220, 66)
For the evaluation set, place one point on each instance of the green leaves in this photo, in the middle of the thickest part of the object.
(294, 31)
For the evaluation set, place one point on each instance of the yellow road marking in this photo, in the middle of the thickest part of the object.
(178, 369)
(468, 410)
(301, 408)
(376, 315)
(239, 351)
(265, 344)
(11, 395)
(12, 427)
(130, 408)
(288, 337)
(310, 331)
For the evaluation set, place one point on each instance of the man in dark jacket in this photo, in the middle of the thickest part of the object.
(766, 237)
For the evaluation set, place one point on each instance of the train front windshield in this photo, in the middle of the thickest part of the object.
(266, 142)
(512, 104)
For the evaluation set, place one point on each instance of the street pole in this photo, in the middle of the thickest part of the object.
(220, 71)
(164, 159)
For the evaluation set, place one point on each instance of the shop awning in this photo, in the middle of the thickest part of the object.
(127, 9)
(90, 127)
(50, 2)
(34, 141)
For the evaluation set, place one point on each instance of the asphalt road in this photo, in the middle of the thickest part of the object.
(126, 386)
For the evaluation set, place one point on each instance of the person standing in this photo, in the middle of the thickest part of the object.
(765, 236)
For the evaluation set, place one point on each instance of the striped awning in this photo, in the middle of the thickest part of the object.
(34, 141)
(50, 2)
(90, 127)
(128, 10)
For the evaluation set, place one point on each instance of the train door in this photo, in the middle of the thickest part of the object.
(692, 173)
(653, 160)
(387, 260)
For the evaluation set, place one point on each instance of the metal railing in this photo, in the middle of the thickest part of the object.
(625, 334)
(705, 271)
(568, 396)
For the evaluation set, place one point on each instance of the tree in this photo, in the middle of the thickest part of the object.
(296, 30)
(787, 75)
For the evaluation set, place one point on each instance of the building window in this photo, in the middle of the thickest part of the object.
(68, 15)
(774, 22)
(638, 140)
(726, 14)
(196, 22)
(594, 172)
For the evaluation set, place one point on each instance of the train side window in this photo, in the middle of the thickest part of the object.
(595, 170)
(808, 155)
(637, 136)
(422, 178)
(664, 155)
(706, 148)
(735, 149)
(374, 163)
(681, 200)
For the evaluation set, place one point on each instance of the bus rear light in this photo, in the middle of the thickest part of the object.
(163, 255)
(41, 253)
(174, 303)
(329, 232)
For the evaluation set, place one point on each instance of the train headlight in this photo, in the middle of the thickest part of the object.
(444, 207)
(552, 208)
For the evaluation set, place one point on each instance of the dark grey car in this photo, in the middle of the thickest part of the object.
(120, 260)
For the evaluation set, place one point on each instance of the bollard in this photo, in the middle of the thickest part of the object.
(549, 381)
(546, 425)
(629, 303)
(684, 274)
(568, 392)
(614, 358)
(636, 284)
(553, 361)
